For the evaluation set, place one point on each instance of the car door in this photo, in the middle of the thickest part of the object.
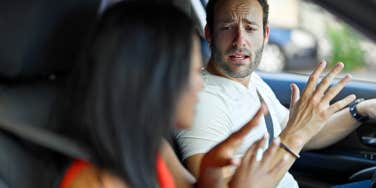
(351, 159)
(354, 157)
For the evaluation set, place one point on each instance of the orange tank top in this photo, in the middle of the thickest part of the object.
(165, 178)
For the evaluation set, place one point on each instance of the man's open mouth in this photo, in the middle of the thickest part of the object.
(238, 57)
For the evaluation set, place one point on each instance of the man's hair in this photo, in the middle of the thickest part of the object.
(210, 7)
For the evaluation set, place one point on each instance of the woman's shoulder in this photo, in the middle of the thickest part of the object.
(84, 174)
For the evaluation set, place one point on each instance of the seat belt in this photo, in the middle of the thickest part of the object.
(268, 119)
(45, 138)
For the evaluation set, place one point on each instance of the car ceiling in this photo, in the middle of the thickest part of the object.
(359, 14)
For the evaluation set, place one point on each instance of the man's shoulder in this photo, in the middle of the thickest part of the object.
(220, 85)
(217, 94)
(214, 86)
(256, 79)
(212, 97)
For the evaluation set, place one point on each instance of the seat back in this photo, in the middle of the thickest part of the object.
(40, 41)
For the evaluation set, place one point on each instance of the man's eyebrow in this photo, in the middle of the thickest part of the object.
(247, 21)
(250, 22)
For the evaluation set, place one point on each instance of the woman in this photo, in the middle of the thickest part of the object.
(139, 78)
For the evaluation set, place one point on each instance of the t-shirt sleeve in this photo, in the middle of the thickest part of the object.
(211, 125)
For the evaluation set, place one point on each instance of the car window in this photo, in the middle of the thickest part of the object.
(307, 33)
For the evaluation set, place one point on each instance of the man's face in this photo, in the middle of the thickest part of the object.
(237, 39)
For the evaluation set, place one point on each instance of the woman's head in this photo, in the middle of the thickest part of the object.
(140, 76)
(188, 98)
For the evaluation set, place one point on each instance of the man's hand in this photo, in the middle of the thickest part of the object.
(310, 112)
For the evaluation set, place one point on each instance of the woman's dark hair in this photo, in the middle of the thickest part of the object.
(125, 91)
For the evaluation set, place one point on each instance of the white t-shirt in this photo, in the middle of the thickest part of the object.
(225, 106)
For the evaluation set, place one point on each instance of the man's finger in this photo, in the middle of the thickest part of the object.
(325, 82)
(312, 81)
(341, 104)
(333, 91)
(295, 95)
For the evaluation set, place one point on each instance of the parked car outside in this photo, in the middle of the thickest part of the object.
(289, 49)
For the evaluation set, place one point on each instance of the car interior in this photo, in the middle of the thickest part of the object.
(39, 44)
(353, 158)
(40, 41)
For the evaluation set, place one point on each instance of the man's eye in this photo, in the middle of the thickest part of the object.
(250, 29)
(226, 28)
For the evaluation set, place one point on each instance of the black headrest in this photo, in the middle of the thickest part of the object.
(42, 37)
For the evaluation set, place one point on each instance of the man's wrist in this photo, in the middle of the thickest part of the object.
(362, 108)
(288, 150)
(294, 143)
(357, 110)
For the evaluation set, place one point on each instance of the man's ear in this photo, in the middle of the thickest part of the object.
(266, 34)
(208, 35)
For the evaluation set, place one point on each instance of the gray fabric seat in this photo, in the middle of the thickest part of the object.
(40, 41)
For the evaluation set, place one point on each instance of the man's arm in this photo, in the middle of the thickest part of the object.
(210, 127)
(340, 125)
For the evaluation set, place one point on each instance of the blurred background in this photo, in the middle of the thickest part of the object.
(303, 33)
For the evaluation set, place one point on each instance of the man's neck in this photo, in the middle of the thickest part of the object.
(213, 69)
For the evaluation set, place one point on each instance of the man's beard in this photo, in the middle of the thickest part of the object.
(225, 67)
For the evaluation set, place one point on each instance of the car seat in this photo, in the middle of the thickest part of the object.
(39, 44)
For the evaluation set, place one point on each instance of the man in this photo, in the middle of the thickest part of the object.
(237, 31)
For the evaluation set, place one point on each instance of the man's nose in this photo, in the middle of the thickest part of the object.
(239, 40)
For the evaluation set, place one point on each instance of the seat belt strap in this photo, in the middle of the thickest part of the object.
(268, 120)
